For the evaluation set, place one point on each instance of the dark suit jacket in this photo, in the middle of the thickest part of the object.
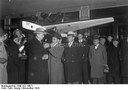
(37, 68)
(84, 50)
(71, 54)
(97, 58)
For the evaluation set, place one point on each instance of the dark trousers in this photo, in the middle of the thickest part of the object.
(85, 72)
(124, 80)
(13, 77)
(98, 80)
(22, 72)
(112, 79)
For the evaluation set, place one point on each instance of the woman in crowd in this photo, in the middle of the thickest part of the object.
(56, 73)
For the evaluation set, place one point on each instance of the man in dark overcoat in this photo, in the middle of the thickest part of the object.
(37, 56)
(114, 64)
(13, 62)
(84, 55)
(109, 46)
(72, 61)
(124, 61)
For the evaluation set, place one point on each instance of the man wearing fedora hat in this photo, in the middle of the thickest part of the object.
(98, 61)
(3, 59)
(37, 55)
(72, 61)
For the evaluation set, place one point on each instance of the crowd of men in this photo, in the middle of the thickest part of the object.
(76, 59)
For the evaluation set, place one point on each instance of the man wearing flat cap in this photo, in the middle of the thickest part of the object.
(38, 56)
(3, 59)
(98, 61)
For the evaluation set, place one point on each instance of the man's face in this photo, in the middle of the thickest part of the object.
(40, 36)
(18, 33)
(102, 41)
(88, 34)
(85, 34)
(70, 38)
(80, 36)
(55, 40)
(96, 41)
(115, 43)
(75, 34)
(109, 38)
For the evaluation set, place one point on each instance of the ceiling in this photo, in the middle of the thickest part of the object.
(22, 7)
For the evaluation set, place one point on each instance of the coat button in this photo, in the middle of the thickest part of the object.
(34, 58)
(32, 74)
(72, 61)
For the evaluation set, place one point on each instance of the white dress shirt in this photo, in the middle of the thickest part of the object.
(96, 46)
(80, 41)
(70, 44)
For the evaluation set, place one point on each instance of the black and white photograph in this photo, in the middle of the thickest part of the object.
(63, 42)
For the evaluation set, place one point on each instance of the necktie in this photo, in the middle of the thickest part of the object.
(70, 44)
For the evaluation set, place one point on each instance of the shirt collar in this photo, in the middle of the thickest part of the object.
(54, 44)
(81, 40)
(96, 46)
(70, 44)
